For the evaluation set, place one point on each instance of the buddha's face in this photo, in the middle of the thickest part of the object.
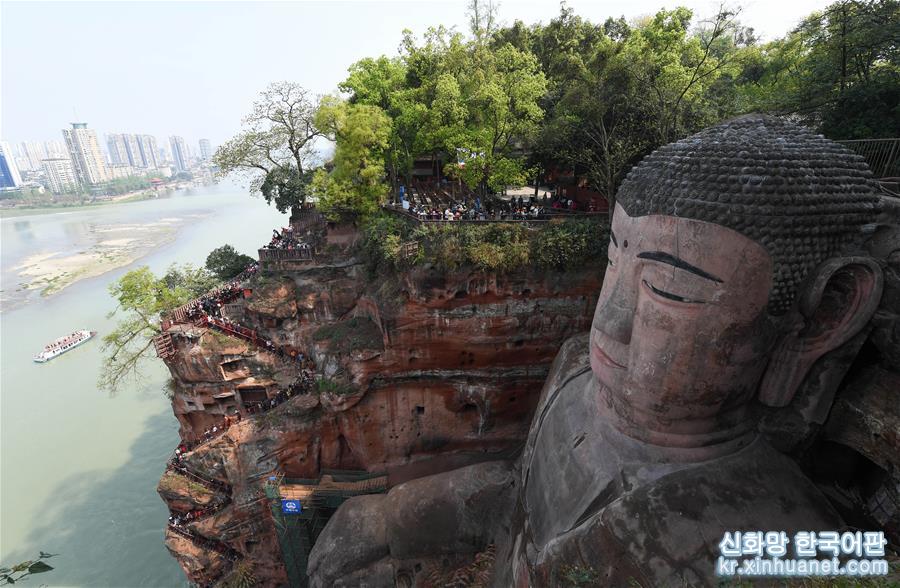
(681, 334)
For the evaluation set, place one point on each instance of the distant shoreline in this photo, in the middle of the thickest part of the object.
(135, 196)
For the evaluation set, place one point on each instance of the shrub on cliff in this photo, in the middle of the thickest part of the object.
(329, 386)
(355, 334)
(141, 298)
(225, 262)
(382, 237)
(493, 247)
(571, 244)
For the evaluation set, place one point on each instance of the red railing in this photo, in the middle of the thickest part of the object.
(223, 294)
(297, 253)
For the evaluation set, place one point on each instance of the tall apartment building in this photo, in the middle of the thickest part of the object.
(206, 151)
(115, 144)
(34, 153)
(9, 172)
(55, 149)
(60, 173)
(147, 147)
(87, 158)
(179, 153)
(134, 152)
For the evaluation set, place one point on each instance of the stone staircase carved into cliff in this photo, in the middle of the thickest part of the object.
(230, 555)
(214, 485)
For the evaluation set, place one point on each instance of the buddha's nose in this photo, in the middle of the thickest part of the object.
(614, 316)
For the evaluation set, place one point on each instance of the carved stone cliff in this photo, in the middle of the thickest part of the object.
(415, 374)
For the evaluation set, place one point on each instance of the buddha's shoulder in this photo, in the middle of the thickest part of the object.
(570, 369)
(571, 361)
(681, 517)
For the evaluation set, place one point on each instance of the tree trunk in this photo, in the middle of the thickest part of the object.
(843, 49)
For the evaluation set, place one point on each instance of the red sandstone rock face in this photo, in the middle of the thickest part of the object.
(433, 372)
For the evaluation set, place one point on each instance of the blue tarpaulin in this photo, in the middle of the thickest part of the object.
(291, 506)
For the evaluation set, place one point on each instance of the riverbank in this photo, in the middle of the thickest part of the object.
(114, 246)
(134, 196)
(80, 467)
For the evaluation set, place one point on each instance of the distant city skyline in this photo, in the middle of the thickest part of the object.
(205, 62)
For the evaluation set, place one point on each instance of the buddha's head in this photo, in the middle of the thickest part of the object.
(728, 278)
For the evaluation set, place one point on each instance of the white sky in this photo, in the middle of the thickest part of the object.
(194, 68)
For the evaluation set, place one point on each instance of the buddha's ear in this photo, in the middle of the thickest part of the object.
(837, 302)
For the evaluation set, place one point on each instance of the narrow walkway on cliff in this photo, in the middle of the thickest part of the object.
(229, 554)
(177, 464)
(302, 385)
(178, 517)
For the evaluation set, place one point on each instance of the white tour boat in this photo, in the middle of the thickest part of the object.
(63, 344)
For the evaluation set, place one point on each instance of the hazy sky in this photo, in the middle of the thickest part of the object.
(193, 68)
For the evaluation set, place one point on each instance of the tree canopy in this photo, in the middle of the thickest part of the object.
(225, 262)
(502, 102)
(275, 148)
(355, 182)
(142, 297)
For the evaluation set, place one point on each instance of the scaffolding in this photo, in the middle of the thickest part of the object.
(319, 500)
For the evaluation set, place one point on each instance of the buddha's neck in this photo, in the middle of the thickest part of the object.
(695, 440)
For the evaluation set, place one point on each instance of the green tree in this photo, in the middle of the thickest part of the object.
(225, 262)
(361, 133)
(838, 72)
(617, 91)
(275, 149)
(142, 297)
(675, 69)
(382, 82)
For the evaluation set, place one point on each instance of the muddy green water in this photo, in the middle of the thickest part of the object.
(78, 468)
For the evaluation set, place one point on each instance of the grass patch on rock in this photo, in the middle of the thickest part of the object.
(354, 334)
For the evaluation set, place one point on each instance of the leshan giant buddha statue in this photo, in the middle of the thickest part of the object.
(729, 276)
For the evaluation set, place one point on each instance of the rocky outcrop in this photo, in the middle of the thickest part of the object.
(416, 374)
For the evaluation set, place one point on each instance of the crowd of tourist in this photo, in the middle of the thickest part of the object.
(177, 519)
(211, 303)
(230, 327)
(301, 385)
(497, 209)
(284, 239)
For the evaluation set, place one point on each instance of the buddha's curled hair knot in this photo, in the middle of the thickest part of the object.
(801, 196)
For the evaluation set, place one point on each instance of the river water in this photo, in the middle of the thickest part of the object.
(78, 468)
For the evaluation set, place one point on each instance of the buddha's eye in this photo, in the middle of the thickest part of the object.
(669, 295)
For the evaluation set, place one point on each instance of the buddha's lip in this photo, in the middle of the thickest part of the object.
(604, 357)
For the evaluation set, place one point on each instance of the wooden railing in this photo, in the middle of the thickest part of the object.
(296, 254)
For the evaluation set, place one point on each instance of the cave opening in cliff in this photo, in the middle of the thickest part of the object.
(253, 395)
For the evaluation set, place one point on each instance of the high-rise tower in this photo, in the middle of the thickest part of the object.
(148, 149)
(9, 172)
(179, 153)
(206, 151)
(84, 149)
